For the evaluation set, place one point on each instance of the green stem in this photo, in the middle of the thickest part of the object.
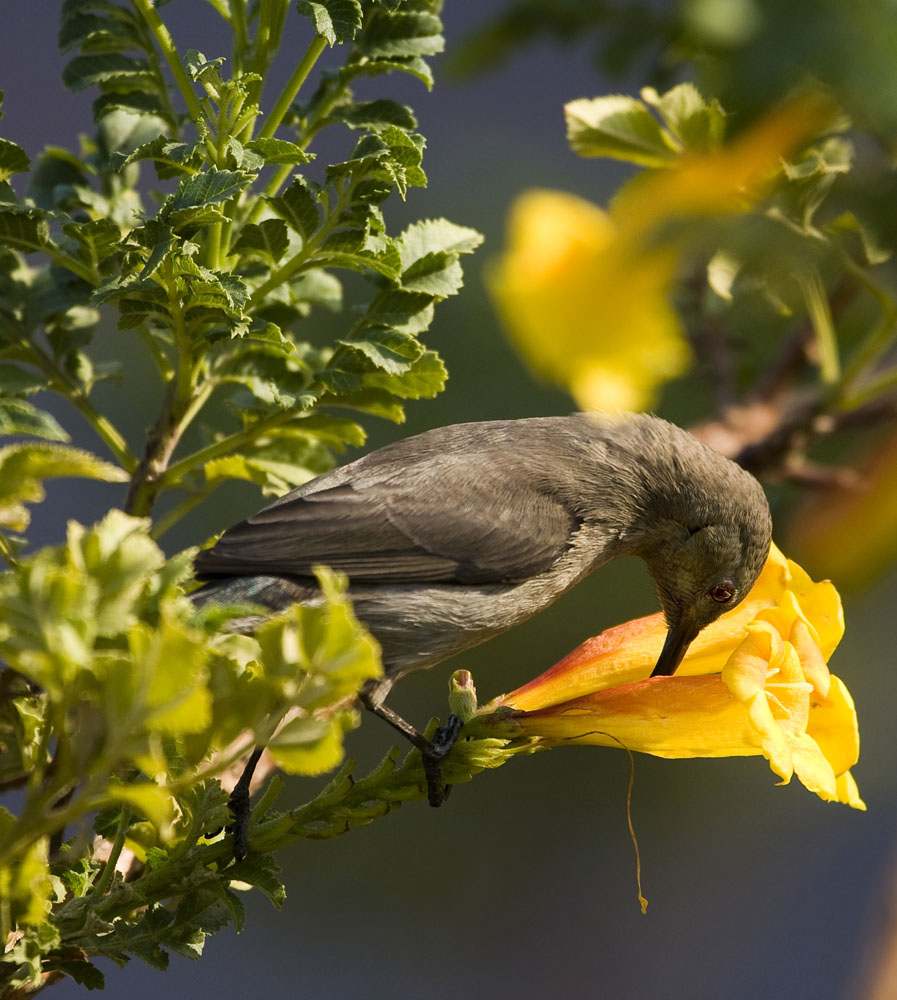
(118, 843)
(879, 385)
(279, 177)
(6, 552)
(300, 73)
(180, 510)
(880, 337)
(166, 45)
(295, 263)
(823, 326)
(225, 446)
(241, 36)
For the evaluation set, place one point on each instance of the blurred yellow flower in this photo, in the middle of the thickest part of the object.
(755, 682)
(850, 532)
(585, 307)
(585, 294)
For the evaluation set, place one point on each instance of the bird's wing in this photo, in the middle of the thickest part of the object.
(398, 518)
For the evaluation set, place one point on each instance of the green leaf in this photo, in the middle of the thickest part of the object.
(16, 381)
(13, 159)
(698, 124)
(619, 127)
(425, 379)
(23, 467)
(402, 35)
(279, 151)
(170, 667)
(409, 312)
(389, 350)
(96, 240)
(19, 417)
(171, 159)
(375, 116)
(415, 66)
(298, 207)
(810, 178)
(335, 20)
(27, 231)
(311, 746)
(208, 188)
(150, 800)
(108, 70)
(435, 236)
(260, 871)
(135, 102)
(269, 240)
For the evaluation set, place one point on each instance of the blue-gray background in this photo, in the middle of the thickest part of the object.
(524, 885)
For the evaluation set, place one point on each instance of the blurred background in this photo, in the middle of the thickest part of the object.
(524, 884)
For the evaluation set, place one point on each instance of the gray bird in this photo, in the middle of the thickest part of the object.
(457, 534)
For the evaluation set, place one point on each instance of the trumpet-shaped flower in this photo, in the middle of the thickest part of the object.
(755, 682)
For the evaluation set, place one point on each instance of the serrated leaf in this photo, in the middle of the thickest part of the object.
(435, 236)
(437, 274)
(18, 417)
(698, 124)
(260, 871)
(16, 381)
(410, 312)
(358, 262)
(376, 402)
(279, 151)
(415, 66)
(268, 239)
(170, 670)
(135, 102)
(309, 746)
(208, 188)
(298, 208)
(376, 115)
(150, 800)
(108, 69)
(390, 350)
(23, 467)
(425, 379)
(27, 231)
(400, 35)
(618, 127)
(82, 972)
(172, 159)
(13, 159)
(80, 26)
(96, 240)
(335, 20)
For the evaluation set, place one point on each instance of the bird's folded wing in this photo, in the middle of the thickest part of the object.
(434, 522)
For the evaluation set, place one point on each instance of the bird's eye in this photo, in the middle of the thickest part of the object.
(722, 592)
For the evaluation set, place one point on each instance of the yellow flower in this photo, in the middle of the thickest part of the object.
(755, 682)
(586, 307)
(861, 516)
(585, 294)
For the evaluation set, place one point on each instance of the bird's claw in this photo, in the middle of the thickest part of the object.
(432, 756)
(238, 803)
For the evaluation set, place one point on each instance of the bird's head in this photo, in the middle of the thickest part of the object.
(703, 570)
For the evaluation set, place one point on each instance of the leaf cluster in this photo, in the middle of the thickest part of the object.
(198, 221)
(119, 693)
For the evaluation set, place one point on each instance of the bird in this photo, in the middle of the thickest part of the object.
(454, 535)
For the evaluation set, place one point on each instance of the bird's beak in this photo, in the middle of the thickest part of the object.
(677, 642)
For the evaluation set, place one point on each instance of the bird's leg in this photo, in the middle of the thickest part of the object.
(373, 695)
(238, 804)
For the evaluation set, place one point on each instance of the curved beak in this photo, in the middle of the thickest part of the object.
(678, 640)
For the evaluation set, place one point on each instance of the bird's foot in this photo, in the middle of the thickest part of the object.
(238, 803)
(432, 753)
